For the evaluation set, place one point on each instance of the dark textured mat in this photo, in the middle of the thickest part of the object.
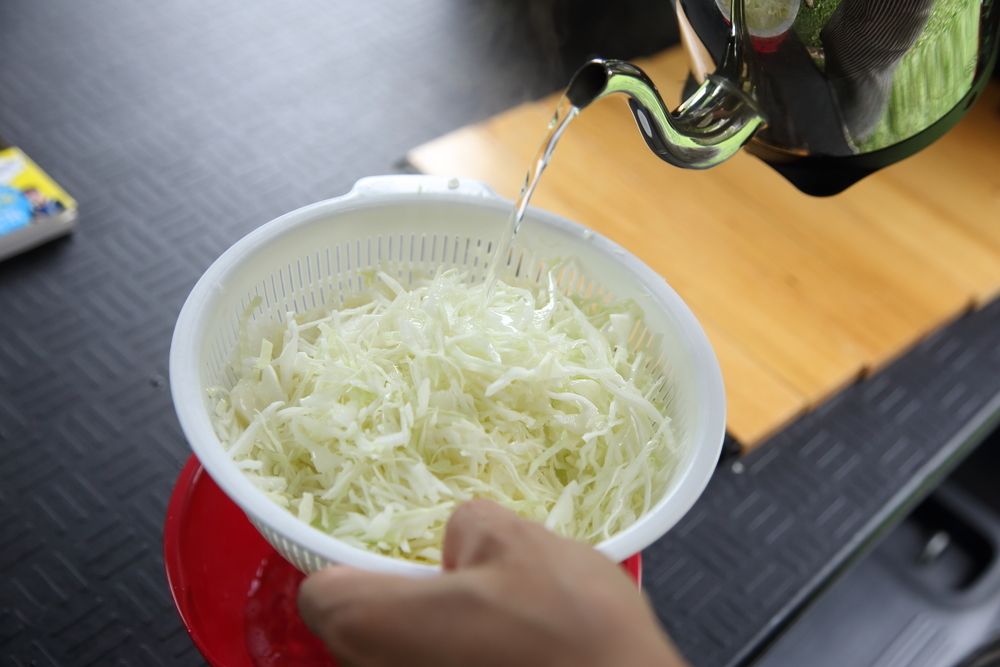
(179, 127)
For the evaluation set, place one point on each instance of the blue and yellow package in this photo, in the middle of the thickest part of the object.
(33, 208)
(15, 210)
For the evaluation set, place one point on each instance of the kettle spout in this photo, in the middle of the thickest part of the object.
(706, 129)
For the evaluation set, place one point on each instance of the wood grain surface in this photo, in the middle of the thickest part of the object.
(799, 296)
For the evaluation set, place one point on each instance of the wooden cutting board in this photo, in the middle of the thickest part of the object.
(800, 296)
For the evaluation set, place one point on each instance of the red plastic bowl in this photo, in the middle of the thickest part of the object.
(234, 592)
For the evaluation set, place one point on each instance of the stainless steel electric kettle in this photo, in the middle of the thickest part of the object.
(825, 91)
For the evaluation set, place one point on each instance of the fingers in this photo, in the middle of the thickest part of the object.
(513, 597)
(338, 599)
(368, 619)
(478, 532)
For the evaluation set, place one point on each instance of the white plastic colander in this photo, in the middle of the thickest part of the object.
(418, 225)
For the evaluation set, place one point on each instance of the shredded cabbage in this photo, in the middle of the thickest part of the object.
(374, 421)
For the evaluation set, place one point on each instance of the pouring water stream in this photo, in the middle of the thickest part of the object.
(708, 127)
(565, 112)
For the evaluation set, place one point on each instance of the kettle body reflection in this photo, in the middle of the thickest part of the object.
(825, 91)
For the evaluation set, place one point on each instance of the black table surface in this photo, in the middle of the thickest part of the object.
(180, 126)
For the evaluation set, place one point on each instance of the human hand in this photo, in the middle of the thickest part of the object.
(512, 594)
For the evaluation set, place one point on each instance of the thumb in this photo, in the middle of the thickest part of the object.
(477, 533)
